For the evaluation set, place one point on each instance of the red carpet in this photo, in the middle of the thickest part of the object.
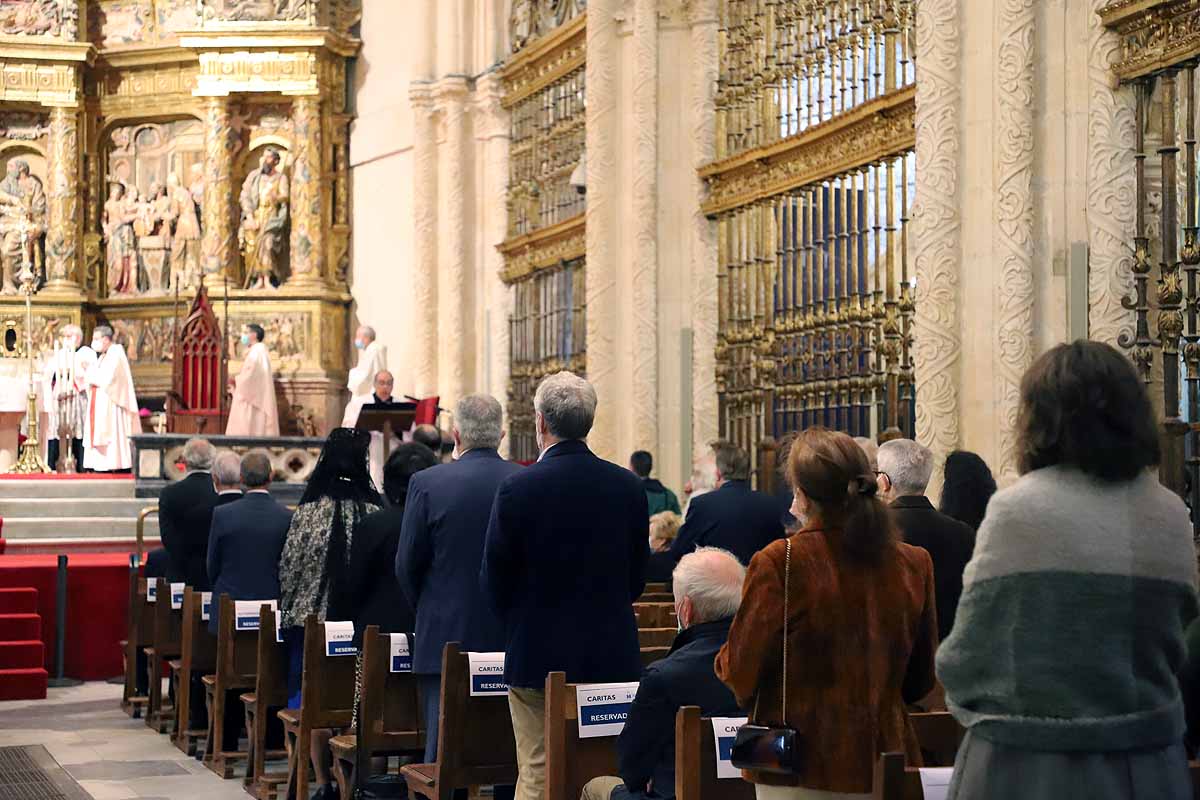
(97, 605)
(77, 476)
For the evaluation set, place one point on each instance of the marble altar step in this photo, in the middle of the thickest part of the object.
(28, 488)
(72, 515)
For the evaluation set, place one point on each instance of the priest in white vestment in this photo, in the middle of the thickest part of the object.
(112, 407)
(372, 360)
(65, 395)
(253, 411)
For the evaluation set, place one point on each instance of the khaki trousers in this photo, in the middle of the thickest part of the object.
(600, 788)
(800, 793)
(528, 709)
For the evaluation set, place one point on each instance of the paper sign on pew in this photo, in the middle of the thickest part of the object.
(177, 596)
(487, 674)
(724, 732)
(401, 660)
(245, 615)
(339, 639)
(935, 782)
(603, 707)
(205, 606)
(151, 590)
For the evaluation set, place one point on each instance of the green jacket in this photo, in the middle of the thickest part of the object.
(659, 498)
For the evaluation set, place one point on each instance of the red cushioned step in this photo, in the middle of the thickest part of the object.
(18, 601)
(23, 684)
(20, 627)
(22, 655)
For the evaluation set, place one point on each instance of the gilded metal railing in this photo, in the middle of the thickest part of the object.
(812, 195)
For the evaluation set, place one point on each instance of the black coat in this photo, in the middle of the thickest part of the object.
(441, 551)
(646, 748)
(565, 558)
(733, 518)
(371, 595)
(659, 567)
(949, 543)
(184, 517)
(157, 562)
(244, 549)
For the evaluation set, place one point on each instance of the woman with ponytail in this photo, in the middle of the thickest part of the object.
(861, 628)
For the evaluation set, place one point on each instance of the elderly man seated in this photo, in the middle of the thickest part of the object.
(708, 590)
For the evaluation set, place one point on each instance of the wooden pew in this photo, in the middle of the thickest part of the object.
(696, 762)
(571, 761)
(389, 714)
(198, 657)
(657, 597)
(655, 615)
(236, 666)
(939, 735)
(652, 654)
(326, 701)
(475, 737)
(139, 624)
(261, 707)
(656, 637)
(164, 644)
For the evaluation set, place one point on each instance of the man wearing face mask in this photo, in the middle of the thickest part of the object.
(372, 360)
(64, 392)
(253, 411)
(112, 410)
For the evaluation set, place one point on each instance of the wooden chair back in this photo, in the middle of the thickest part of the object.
(657, 588)
(237, 651)
(657, 597)
(389, 714)
(135, 636)
(270, 695)
(571, 761)
(656, 637)
(696, 762)
(655, 615)
(198, 656)
(168, 622)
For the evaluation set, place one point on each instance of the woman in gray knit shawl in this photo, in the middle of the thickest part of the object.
(1069, 634)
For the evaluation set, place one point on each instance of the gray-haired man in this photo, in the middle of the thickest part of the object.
(185, 514)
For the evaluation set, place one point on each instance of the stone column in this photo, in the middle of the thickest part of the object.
(63, 223)
(308, 224)
(424, 326)
(492, 132)
(218, 242)
(603, 223)
(644, 195)
(455, 304)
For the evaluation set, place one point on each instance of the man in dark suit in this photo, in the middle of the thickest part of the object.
(185, 515)
(904, 470)
(708, 591)
(441, 550)
(733, 517)
(564, 559)
(243, 554)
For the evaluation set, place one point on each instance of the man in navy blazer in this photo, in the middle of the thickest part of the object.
(733, 517)
(565, 558)
(441, 550)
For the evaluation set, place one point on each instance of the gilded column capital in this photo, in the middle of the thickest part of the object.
(308, 233)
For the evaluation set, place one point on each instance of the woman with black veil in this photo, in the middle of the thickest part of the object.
(316, 554)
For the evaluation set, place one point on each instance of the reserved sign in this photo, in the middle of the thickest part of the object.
(245, 614)
(151, 591)
(724, 733)
(206, 606)
(339, 639)
(487, 674)
(177, 596)
(401, 660)
(603, 707)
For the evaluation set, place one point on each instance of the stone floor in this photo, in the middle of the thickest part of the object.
(112, 756)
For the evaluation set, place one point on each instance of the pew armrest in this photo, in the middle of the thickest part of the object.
(425, 773)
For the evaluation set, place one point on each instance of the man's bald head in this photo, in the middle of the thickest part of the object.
(708, 586)
(429, 436)
(384, 384)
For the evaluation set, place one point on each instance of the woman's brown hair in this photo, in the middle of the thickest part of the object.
(834, 473)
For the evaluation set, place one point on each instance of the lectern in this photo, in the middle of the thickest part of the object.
(387, 419)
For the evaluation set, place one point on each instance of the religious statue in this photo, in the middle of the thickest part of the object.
(39, 17)
(196, 188)
(121, 244)
(153, 229)
(264, 227)
(185, 238)
(22, 222)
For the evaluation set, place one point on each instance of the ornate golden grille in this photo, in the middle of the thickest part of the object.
(544, 249)
(812, 194)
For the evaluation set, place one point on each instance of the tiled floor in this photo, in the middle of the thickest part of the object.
(112, 756)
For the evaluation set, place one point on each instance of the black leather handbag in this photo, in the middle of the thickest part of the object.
(764, 748)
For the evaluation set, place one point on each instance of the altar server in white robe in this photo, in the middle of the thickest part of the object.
(253, 411)
(372, 360)
(65, 395)
(112, 407)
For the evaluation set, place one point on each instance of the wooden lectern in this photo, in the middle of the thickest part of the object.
(389, 419)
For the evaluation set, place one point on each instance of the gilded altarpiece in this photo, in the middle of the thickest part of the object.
(149, 146)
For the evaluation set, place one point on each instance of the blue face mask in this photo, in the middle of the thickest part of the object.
(245, 339)
(359, 344)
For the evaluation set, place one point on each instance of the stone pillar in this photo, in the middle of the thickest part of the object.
(937, 226)
(644, 196)
(492, 132)
(218, 244)
(603, 224)
(424, 326)
(455, 302)
(63, 228)
(307, 195)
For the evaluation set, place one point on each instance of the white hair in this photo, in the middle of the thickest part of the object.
(479, 421)
(567, 403)
(198, 454)
(227, 468)
(907, 464)
(713, 579)
(72, 330)
(367, 331)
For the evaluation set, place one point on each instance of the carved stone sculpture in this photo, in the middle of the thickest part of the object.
(256, 10)
(184, 219)
(264, 230)
(120, 241)
(40, 18)
(22, 223)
